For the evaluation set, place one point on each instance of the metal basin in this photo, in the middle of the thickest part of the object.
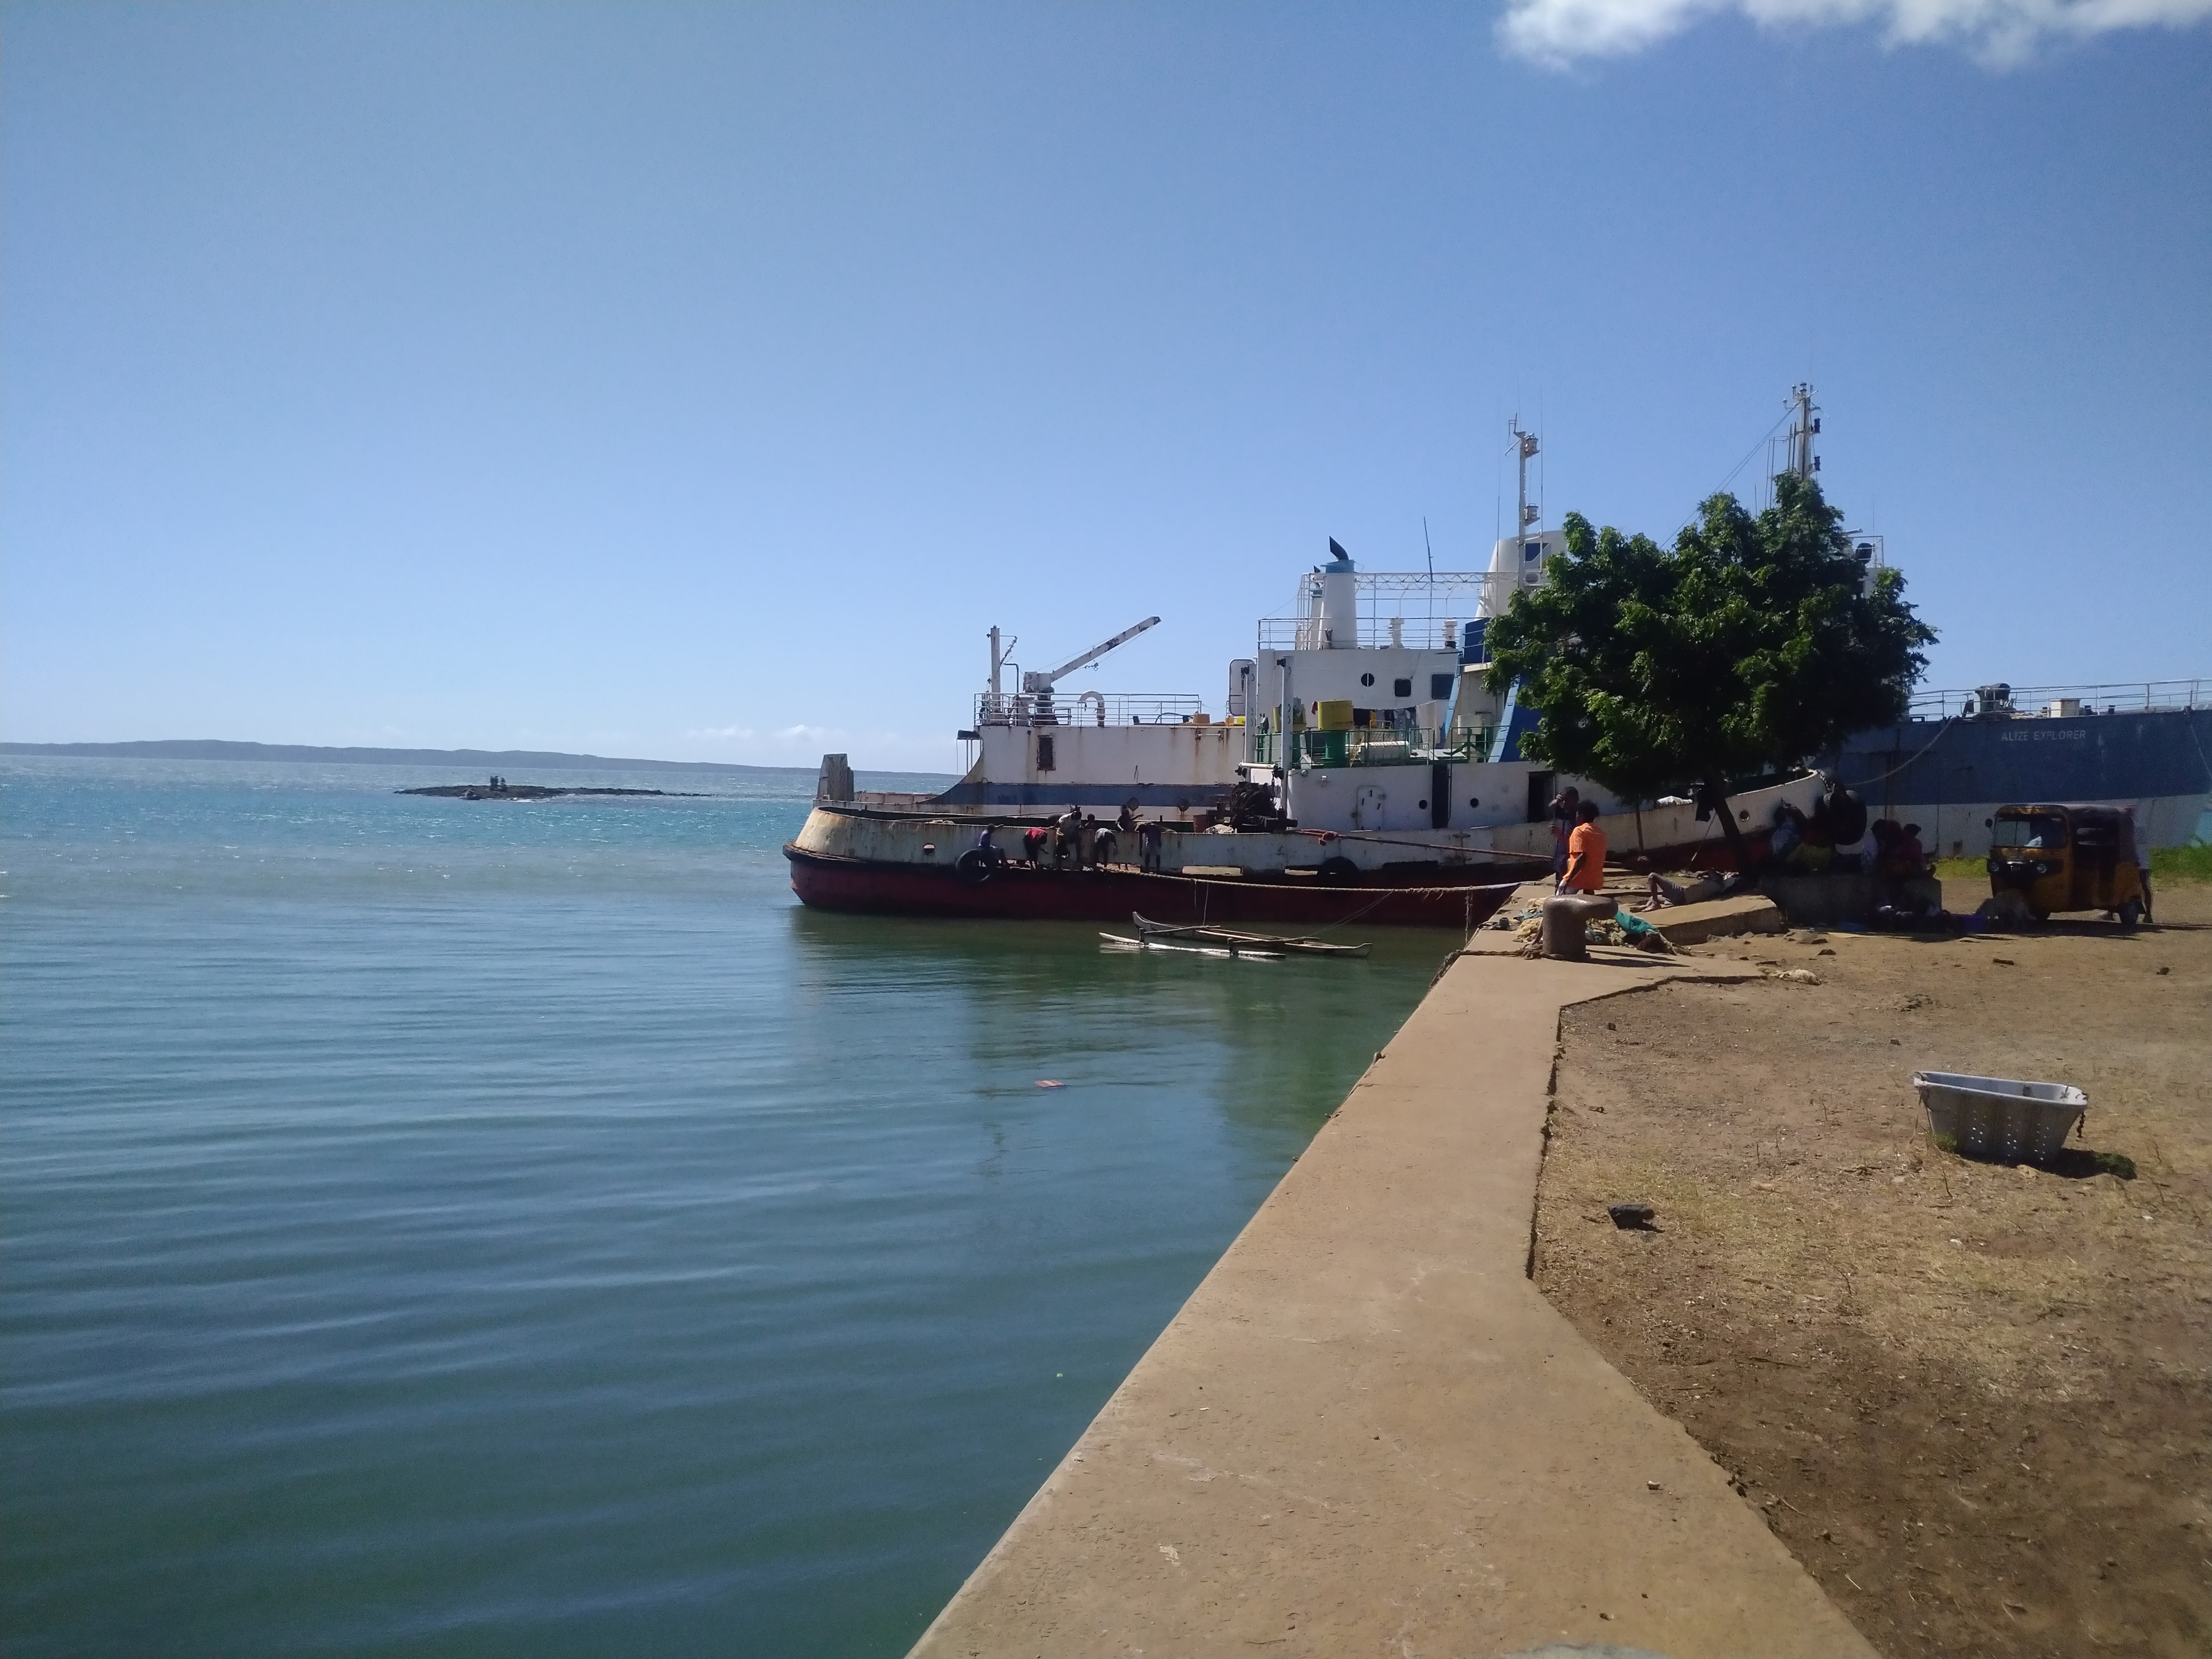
(2000, 1117)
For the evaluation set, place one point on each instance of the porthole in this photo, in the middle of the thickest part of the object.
(1473, 801)
(1367, 679)
(1422, 806)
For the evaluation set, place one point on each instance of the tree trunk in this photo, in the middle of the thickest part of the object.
(1715, 796)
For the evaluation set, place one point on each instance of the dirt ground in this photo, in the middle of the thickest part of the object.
(1975, 1401)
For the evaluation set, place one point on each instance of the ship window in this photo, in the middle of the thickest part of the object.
(1439, 687)
(1367, 679)
(1532, 549)
(1401, 688)
(1044, 753)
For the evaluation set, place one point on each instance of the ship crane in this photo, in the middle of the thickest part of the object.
(1040, 685)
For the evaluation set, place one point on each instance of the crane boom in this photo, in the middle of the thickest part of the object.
(1033, 682)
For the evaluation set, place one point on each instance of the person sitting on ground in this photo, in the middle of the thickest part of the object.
(1782, 841)
(1585, 871)
(1882, 839)
(1815, 841)
(1908, 856)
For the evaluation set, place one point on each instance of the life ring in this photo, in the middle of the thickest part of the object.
(973, 867)
(1338, 872)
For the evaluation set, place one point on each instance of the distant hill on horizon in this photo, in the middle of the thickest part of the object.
(477, 759)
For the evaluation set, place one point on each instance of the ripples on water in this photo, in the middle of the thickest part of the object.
(446, 1227)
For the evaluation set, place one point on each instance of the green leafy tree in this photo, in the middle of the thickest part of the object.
(1757, 642)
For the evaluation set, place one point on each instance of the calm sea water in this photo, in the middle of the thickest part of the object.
(433, 1227)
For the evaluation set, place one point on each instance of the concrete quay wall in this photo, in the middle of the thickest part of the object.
(1367, 1433)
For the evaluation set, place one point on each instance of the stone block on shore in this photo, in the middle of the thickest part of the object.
(1693, 924)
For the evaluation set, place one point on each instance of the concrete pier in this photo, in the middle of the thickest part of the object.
(1367, 1433)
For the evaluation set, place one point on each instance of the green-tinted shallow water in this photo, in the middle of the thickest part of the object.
(445, 1228)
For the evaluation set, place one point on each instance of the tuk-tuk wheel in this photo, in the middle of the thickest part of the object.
(2130, 912)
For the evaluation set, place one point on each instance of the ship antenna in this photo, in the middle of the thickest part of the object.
(1429, 548)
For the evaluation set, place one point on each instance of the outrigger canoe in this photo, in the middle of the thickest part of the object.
(1167, 936)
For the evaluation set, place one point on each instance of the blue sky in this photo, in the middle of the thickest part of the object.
(702, 381)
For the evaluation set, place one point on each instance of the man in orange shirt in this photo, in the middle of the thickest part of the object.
(1585, 854)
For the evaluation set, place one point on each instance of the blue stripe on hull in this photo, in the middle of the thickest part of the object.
(1924, 763)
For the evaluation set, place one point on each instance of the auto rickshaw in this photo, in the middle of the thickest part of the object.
(2067, 858)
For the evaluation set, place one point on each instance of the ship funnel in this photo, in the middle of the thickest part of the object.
(1339, 600)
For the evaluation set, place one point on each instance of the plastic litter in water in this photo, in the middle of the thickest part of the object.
(1050, 1083)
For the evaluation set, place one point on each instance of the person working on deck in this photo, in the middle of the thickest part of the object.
(1585, 871)
(1150, 834)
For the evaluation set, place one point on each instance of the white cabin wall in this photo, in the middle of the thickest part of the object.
(1324, 798)
(1202, 757)
(1318, 677)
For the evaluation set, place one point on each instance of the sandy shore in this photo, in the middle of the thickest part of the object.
(1975, 1401)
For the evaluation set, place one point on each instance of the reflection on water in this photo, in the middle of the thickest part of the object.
(436, 1230)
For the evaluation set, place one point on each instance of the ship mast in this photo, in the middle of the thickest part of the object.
(1804, 428)
(1525, 444)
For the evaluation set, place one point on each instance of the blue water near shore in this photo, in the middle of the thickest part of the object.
(435, 1227)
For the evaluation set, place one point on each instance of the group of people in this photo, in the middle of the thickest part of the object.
(1835, 837)
(1076, 840)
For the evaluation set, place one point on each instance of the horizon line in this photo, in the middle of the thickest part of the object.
(362, 755)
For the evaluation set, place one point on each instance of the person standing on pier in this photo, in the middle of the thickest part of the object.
(1563, 825)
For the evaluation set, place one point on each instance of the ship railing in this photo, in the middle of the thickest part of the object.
(1412, 609)
(1089, 708)
(1378, 745)
(2026, 701)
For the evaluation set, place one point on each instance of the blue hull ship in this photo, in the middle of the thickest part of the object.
(1964, 755)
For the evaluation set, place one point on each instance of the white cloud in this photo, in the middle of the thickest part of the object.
(1999, 33)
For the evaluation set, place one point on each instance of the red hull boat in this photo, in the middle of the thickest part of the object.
(1019, 892)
